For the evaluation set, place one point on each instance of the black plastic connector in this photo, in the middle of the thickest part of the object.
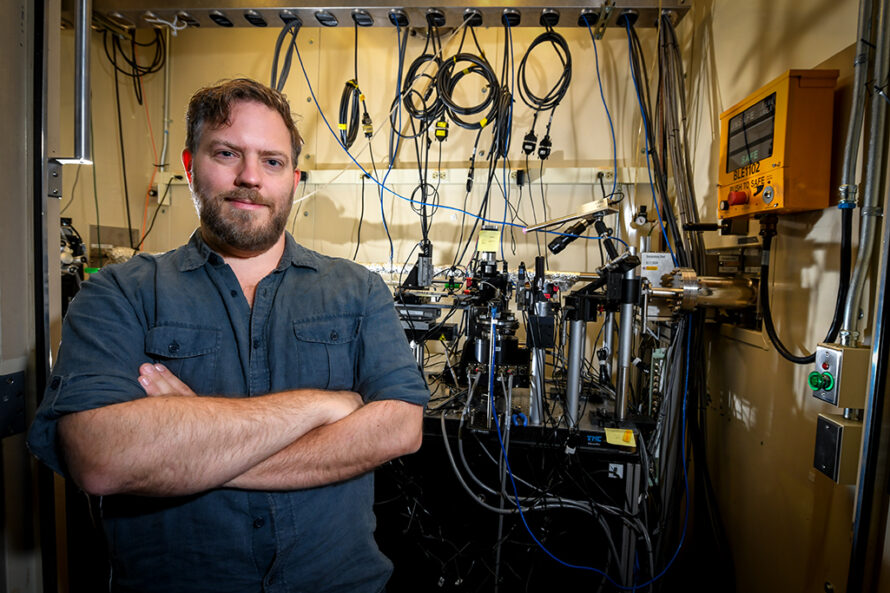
(544, 147)
(529, 143)
(367, 125)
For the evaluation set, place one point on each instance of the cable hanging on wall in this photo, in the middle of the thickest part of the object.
(552, 98)
(350, 99)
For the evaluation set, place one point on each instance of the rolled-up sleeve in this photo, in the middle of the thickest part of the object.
(386, 368)
(98, 363)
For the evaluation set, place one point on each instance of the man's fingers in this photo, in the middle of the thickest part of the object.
(158, 380)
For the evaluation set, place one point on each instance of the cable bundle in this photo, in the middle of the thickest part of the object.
(449, 77)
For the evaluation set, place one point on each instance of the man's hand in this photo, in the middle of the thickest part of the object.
(156, 379)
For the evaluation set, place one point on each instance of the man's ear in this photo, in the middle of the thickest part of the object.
(187, 163)
(296, 178)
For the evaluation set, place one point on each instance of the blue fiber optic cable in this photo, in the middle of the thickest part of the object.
(599, 80)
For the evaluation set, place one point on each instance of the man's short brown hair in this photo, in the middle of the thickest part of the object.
(212, 106)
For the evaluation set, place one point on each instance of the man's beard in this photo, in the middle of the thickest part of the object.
(237, 228)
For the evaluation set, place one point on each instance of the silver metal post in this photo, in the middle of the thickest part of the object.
(536, 390)
(83, 152)
(82, 146)
(577, 343)
(625, 339)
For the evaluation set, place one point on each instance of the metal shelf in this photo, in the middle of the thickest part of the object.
(448, 13)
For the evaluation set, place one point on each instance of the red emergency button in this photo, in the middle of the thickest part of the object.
(737, 197)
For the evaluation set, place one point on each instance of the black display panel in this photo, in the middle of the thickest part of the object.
(751, 134)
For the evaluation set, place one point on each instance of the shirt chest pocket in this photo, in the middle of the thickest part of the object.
(326, 349)
(191, 353)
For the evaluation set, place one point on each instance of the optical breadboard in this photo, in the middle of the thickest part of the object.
(775, 147)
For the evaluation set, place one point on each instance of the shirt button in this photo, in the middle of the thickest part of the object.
(234, 293)
(173, 347)
(334, 336)
(256, 343)
(55, 383)
(259, 522)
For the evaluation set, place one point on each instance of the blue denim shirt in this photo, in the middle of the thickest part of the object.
(316, 322)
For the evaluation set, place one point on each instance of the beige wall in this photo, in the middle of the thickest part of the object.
(789, 526)
(327, 221)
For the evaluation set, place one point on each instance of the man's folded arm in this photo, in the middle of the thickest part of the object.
(170, 445)
(373, 434)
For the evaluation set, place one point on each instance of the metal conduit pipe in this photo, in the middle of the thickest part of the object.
(871, 488)
(168, 66)
(847, 188)
(871, 212)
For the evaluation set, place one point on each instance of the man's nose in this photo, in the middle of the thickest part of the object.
(249, 174)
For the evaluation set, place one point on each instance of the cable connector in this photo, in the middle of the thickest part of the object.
(367, 126)
(544, 147)
(529, 142)
(442, 129)
(768, 225)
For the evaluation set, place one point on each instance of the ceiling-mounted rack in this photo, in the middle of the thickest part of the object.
(600, 14)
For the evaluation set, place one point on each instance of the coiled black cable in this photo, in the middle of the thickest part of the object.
(448, 79)
(430, 104)
(133, 69)
(349, 118)
(349, 103)
(768, 231)
(555, 95)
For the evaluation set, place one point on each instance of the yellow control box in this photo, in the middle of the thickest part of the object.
(775, 147)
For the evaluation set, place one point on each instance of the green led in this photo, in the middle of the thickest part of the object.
(815, 381)
(827, 381)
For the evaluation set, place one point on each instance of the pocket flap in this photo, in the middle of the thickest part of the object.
(173, 341)
(328, 330)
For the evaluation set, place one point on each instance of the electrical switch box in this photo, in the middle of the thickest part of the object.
(775, 147)
(840, 375)
(838, 441)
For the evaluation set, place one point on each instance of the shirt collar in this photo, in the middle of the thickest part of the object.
(196, 253)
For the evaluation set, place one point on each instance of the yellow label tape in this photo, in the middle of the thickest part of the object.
(489, 241)
(623, 437)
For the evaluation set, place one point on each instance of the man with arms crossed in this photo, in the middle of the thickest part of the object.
(228, 399)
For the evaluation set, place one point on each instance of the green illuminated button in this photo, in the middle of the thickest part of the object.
(817, 381)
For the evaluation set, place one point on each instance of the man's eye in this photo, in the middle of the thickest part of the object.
(225, 153)
(275, 163)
